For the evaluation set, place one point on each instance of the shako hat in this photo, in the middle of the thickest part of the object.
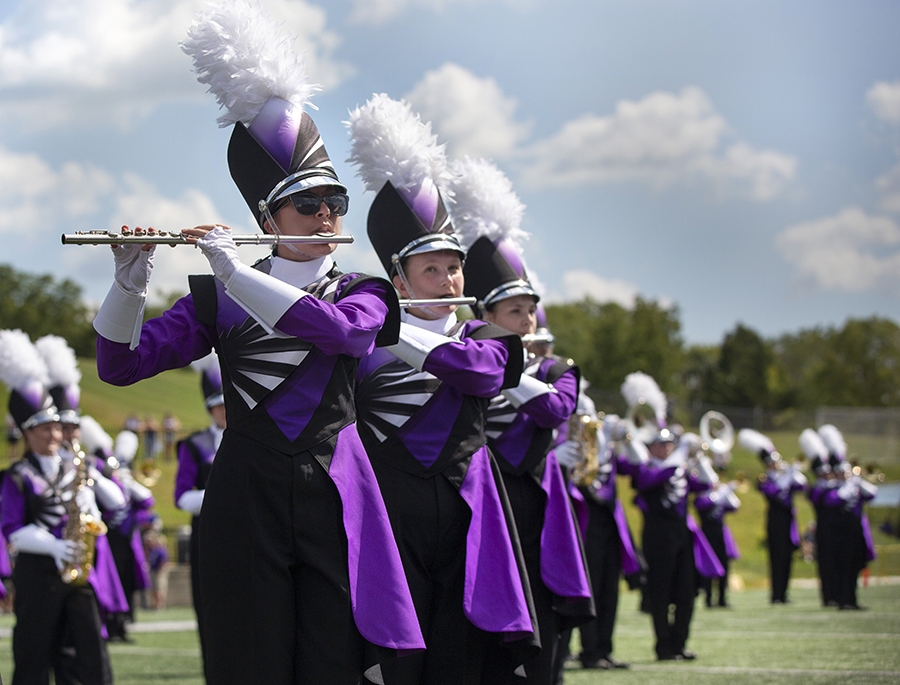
(248, 63)
(210, 380)
(487, 215)
(24, 372)
(398, 158)
(761, 445)
(63, 377)
(640, 389)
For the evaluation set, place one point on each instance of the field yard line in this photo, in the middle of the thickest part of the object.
(761, 633)
(778, 671)
(152, 651)
(163, 626)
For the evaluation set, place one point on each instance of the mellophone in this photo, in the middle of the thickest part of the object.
(173, 238)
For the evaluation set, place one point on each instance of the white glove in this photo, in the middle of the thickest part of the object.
(133, 267)
(108, 494)
(416, 344)
(678, 457)
(191, 501)
(87, 502)
(636, 452)
(35, 540)
(219, 248)
(527, 389)
(568, 453)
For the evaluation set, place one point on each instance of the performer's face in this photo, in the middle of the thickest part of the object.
(662, 449)
(432, 276)
(71, 432)
(218, 415)
(44, 439)
(516, 314)
(291, 222)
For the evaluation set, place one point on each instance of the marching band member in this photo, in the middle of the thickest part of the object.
(521, 420)
(422, 406)
(855, 548)
(195, 459)
(299, 569)
(713, 502)
(826, 540)
(39, 493)
(778, 485)
(673, 545)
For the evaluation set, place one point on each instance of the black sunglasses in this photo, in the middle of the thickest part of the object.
(308, 204)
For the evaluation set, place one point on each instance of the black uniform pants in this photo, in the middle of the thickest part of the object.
(714, 530)
(273, 571)
(604, 562)
(47, 609)
(430, 520)
(671, 580)
(781, 549)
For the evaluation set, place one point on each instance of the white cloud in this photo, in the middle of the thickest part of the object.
(660, 140)
(851, 252)
(889, 185)
(379, 11)
(34, 195)
(470, 114)
(116, 60)
(578, 284)
(884, 99)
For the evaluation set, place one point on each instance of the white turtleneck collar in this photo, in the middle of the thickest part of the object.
(300, 274)
(442, 325)
(49, 465)
(217, 435)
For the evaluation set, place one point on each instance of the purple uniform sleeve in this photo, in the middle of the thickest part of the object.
(474, 367)
(648, 477)
(551, 409)
(12, 507)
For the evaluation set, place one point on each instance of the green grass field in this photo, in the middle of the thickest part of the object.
(753, 644)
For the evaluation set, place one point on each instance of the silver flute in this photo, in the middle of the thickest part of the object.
(441, 302)
(172, 238)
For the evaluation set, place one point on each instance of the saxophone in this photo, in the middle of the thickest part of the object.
(583, 430)
(81, 528)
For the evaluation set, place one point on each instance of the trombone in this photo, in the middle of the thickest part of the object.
(439, 302)
(176, 238)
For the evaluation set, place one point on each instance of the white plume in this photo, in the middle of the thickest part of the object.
(640, 388)
(754, 441)
(812, 445)
(20, 362)
(241, 53)
(833, 440)
(93, 437)
(126, 447)
(62, 366)
(389, 142)
(484, 204)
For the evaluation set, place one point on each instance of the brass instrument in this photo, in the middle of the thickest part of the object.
(640, 422)
(545, 338)
(717, 432)
(582, 428)
(439, 302)
(81, 528)
(176, 238)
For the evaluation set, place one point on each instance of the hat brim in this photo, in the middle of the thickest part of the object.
(301, 184)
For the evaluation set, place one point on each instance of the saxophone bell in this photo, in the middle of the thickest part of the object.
(82, 528)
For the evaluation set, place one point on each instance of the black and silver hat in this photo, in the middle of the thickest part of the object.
(24, 372)
(63, 375)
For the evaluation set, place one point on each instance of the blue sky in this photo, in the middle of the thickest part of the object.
(740, 160)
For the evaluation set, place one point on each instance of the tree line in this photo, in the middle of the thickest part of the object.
(853, 365)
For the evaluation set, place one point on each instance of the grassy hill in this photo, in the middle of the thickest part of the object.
(179, 392)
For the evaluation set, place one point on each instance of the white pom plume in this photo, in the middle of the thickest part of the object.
(93, 437)
(62, 366)
(241, 53)
(639, 388)
(812, 445)
(20, 362)
(389, 142)
(754, 441)
(833, 440)
(484, 204)
(126, 446)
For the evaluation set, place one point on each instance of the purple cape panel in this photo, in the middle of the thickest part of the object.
(5, 566)
(382, 604)
(2, 590)
(795, 530)
(562, 566)
(705, 559)
(867, 535)
(630, 562)
(494, 599)
(580, 506)
(105, 579)
(141, 567)
(731, 547)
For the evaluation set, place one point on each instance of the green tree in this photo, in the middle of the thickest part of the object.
(40, 305)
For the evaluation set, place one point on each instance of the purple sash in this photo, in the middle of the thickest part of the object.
(494, 599)
(630, 562)
(705, 559)
(580, 506)
(382, 604)
(105, 579)
(141, 567)
(731, 547)
(867, 535)
(562, 566)
(795, 531)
